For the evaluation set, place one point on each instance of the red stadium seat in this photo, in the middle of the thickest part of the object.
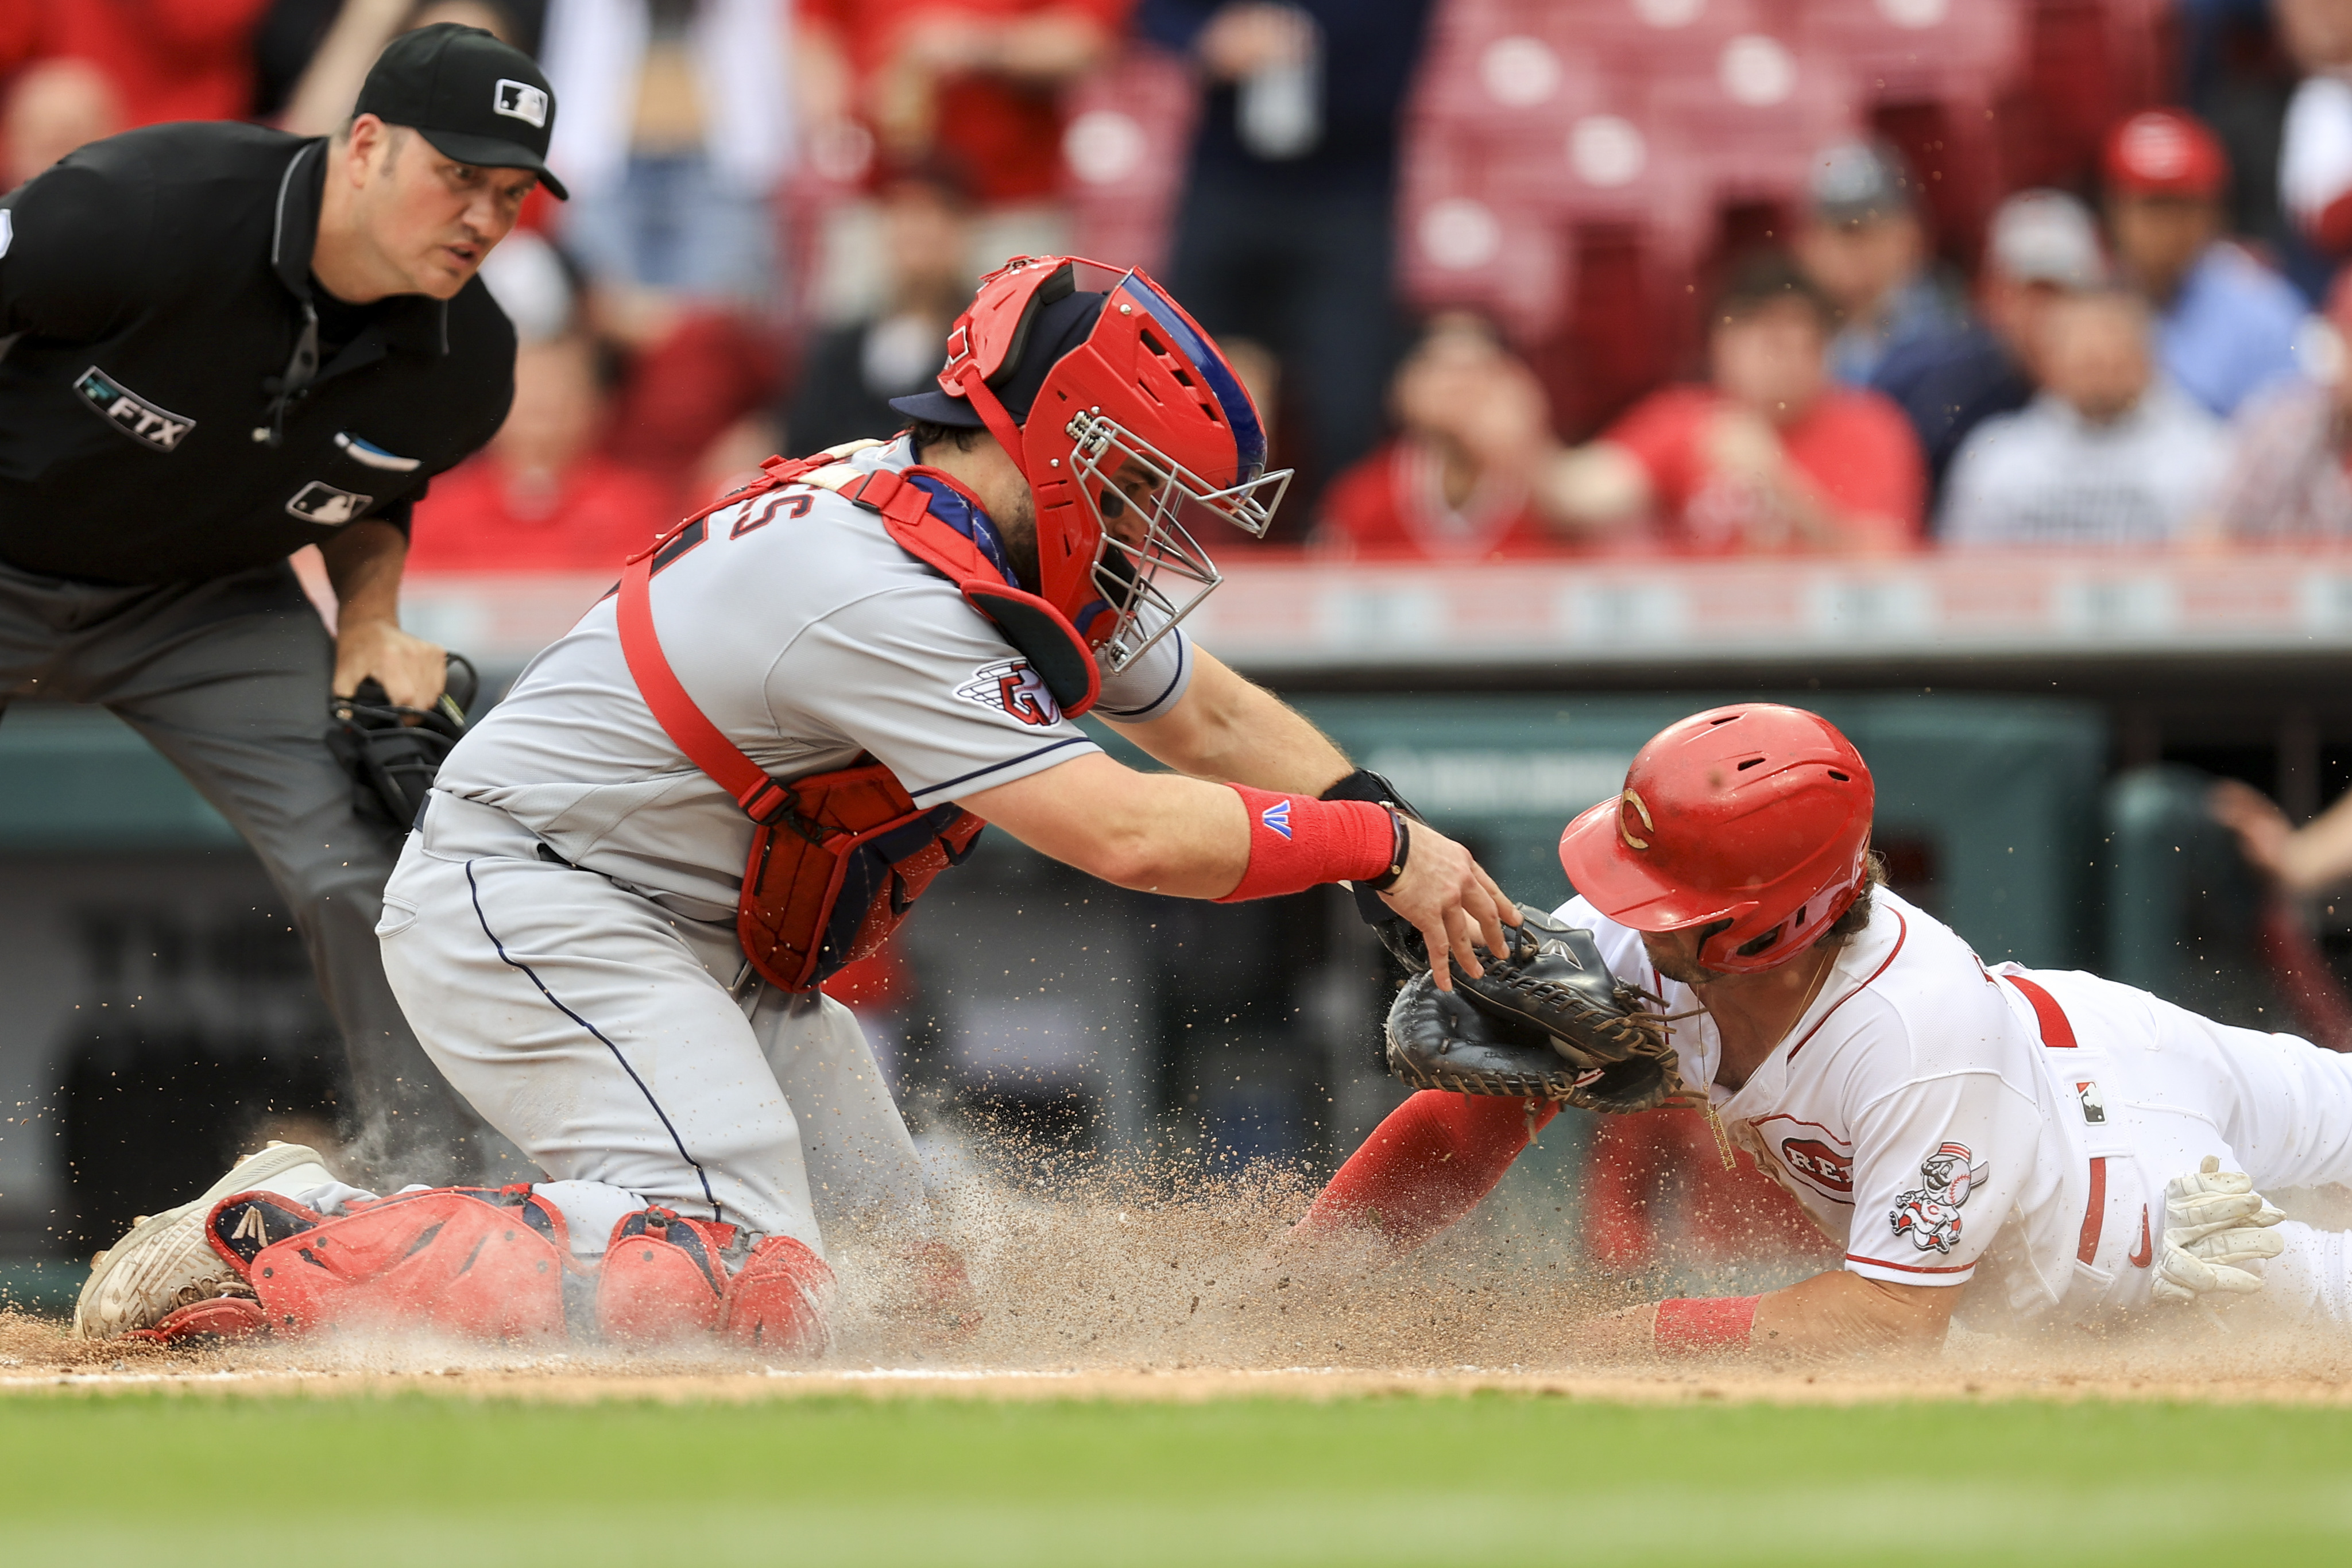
(1127, 133)
(1463, 243)
(1644, 36)
(1754, 114)
(1905, 51)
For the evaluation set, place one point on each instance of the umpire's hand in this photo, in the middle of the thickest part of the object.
(411, 670)
(363, 563)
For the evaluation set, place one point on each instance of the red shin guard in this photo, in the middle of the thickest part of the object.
(1427, 1165)
(781, 1300)
(479, 1262)
(662, 1278)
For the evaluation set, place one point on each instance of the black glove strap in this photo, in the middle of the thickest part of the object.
(1364, 784)
(1397, 853)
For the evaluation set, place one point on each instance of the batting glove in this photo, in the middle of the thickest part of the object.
(2214, 1222)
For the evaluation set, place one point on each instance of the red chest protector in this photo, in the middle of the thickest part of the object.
(838, 858)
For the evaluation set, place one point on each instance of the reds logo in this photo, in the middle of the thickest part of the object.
(1013, 688)
(1930, 1215)
(1819, 1163)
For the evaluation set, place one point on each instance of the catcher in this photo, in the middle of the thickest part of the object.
(737, 774)
(2009, 1144)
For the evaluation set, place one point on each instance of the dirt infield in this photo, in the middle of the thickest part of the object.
(1157, 1290)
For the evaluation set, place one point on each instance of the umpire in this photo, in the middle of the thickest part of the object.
(219, 343)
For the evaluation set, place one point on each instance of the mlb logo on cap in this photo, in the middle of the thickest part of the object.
(476, 99)
(520, 100)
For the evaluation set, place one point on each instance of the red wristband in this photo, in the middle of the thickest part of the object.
(1297, 841)
(1700, 1326)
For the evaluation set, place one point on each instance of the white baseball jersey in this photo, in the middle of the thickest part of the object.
(1907, 1109)
(808, 636)
(1932, 1119)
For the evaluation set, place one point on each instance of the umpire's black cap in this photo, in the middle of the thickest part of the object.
(478, 101)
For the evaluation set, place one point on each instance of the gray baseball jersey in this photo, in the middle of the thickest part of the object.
(807, 636)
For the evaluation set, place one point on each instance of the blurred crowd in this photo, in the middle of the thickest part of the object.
(1511, 277)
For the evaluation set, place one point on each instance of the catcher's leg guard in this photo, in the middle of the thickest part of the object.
(482, 1262)
(781, 1300)
(662, 1278)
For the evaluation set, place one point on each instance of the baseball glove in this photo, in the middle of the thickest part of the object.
(392, 753)
(1547, 1021)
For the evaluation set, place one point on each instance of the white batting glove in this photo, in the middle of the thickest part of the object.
(2214, 1222)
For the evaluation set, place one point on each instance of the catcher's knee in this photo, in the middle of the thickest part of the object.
(666, 1278)
(479, 1262)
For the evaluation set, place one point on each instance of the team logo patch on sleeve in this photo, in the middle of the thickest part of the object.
(134, 416)
(1930, 1215)
(1011, 687)
(1277, 817)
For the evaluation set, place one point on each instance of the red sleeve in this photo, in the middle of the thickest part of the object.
(1661, 432)
(201, 24)
(1864, 455)
(1426, 1166)
(1110, 14)
(2331, 231)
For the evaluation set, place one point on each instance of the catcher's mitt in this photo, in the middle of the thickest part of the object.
(392, 752)
(1547, 1020)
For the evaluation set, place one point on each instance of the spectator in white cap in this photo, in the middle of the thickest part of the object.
(1864, 244)
(2107, 453)
(2043, 244)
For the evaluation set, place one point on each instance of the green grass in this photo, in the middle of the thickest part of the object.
(441, 1482)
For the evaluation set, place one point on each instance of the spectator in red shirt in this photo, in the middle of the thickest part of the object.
(967, 82)
(53, 107)
(1465, 478)
(1772, 455)
(168, 59)
(542, 496)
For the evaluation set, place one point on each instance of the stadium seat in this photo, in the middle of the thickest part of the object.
(1905, 51)
(1465, 243)
(1126, 140)
(1754, 114)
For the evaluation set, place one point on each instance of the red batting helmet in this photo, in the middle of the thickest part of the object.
(1755, 814)
(1144, 393)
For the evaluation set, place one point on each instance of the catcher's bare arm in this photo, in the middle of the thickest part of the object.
(1225, 726)
(1165, 833)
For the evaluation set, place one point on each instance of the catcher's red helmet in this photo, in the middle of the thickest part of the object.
(1756, 814)
(1145, 393)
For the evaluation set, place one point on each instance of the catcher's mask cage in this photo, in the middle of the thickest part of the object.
(1139, 437)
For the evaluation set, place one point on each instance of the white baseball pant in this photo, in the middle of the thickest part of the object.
(2167, 1087)
(596, 1029)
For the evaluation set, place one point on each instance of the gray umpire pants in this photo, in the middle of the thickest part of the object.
(229, 679)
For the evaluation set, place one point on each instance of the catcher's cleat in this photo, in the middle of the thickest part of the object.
(164, 1263)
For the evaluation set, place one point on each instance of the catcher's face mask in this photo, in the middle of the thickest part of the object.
(1138, 438)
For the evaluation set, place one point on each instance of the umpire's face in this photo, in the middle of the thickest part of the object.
(429, 219)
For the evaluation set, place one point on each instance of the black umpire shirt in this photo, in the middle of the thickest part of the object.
(168, 409)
